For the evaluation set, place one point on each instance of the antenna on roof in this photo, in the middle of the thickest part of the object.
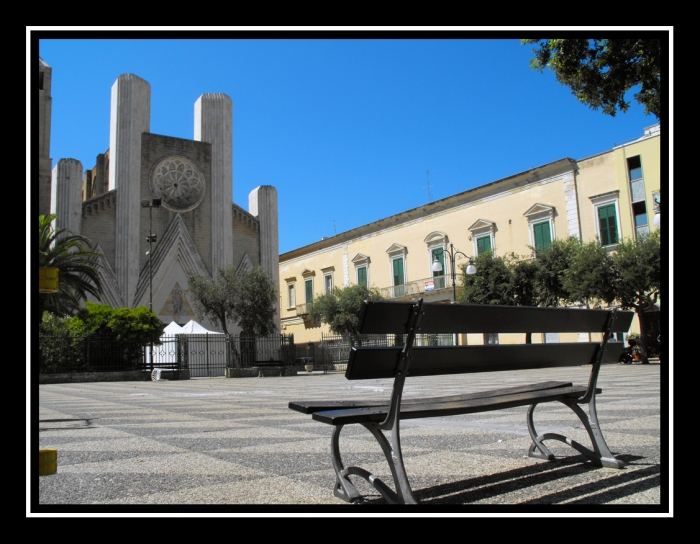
(427, 176)
(334, 231)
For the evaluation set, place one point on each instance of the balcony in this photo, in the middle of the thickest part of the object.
(417, 287)
(303, 309)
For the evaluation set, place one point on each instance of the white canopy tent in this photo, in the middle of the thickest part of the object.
(192, 327)
(171, 328)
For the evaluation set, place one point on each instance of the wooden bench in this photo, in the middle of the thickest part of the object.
(409, 360)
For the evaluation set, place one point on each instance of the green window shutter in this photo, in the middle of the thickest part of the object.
(398, 272)
(543, 236)
(608, 225)
(483, 244)
(309, 284)
(362, 276)
(441, 258)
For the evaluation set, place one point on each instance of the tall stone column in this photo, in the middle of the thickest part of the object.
(213, 123)
(262, 203)
(130, 116)
(44, 138)
(66, 197)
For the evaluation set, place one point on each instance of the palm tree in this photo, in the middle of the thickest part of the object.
(78, 268)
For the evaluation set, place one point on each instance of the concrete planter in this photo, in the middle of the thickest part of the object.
(261, 371)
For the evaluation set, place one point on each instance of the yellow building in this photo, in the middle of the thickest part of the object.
(610, 196)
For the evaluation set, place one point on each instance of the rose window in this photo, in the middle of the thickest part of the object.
(178, 183)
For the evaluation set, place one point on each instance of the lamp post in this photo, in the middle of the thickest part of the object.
(155, 203)
(452, 254)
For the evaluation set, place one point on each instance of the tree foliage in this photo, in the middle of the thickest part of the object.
(637, 265)
(525, 272)
(340, 309)
(590, 277)
(600, 72)
(139, 326)
(571, 273)
(552, 263)
(255, 308)
(249, 300)
(78, 268)
(492, 283)
(213, 299)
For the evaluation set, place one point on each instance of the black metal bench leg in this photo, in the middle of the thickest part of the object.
(394, 457)
(599, 456)
(344, 489)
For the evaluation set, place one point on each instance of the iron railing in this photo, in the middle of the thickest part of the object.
(416, 287)
(61, 354)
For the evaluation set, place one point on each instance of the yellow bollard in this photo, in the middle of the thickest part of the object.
(48, 461)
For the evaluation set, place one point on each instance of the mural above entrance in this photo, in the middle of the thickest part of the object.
(177, 305)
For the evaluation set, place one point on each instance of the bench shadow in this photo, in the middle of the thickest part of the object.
(541, 476)
(87, 424)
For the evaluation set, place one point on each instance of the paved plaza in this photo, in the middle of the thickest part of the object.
(219, 441)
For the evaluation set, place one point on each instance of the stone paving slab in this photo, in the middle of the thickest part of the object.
(219, 441)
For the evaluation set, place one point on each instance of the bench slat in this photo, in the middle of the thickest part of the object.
(380, 362)
(387, 317)
(309, 407)
(444, 409)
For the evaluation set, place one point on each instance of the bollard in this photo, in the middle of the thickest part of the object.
(48, 461)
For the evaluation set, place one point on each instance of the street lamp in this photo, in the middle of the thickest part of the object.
(452, 254)
(155, 203)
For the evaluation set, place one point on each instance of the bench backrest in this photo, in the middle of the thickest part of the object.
(383, 317)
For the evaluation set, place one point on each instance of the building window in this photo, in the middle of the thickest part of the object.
(362, 275)
(397, 256)
(397, 266)
(291, 296)
(637, 194)
(309, 289)
(540, 218)
(437, 242)
(483, 236)
(634, 167)
(607, 224)
(607, 218)
(328, 282)
(483, 244)
(542, 235)
(361, 263)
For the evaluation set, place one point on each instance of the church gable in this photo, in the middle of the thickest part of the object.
(111, 295)
(245, 266)
(175, 250)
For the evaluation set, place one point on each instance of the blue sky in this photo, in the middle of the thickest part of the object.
(345, 129)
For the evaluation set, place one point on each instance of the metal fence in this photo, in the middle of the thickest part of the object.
(60, 354)
(208, 355)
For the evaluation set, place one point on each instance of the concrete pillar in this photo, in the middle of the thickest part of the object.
(262, 203)
(66, 194)
(44, 138)
(130, 116)
(213, 123)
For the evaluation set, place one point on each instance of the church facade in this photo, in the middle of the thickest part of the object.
(157, 207)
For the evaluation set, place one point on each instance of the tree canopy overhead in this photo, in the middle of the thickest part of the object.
(601, 71)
